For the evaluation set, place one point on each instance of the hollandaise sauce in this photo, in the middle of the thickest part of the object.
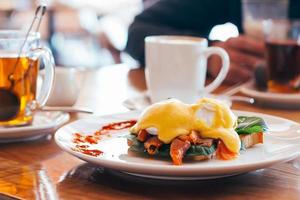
(172, 118)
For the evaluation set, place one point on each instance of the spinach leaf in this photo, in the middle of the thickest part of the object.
(164, 151)
(196, 150)
(248, 125)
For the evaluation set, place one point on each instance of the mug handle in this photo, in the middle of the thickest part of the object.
(44, 54)
(224, 70)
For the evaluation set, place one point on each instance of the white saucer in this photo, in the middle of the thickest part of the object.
(280, 100)
(143, 100)
(137, 103)
(43, 124)
(116, 155)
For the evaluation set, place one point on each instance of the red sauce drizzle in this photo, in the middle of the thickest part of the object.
(84, 149)
(115, 126)
(81, 139)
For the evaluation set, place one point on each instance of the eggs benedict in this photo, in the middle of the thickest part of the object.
(198, 131)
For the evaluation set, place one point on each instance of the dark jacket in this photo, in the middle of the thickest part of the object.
(186, 17)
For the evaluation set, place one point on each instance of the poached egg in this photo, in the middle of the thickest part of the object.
(172, 118)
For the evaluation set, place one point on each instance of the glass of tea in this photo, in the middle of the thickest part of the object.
(282, 39)
(18, 77)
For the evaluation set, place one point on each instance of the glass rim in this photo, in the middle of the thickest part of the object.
(15, 35)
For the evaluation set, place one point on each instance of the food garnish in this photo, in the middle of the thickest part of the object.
(198, 131)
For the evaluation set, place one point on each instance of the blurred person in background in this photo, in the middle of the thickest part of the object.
(197, 18)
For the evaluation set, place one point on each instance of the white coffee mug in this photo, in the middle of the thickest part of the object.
(176, 67)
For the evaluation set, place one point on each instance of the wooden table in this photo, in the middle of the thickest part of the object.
(40, 170)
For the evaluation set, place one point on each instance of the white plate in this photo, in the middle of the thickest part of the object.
(280, 100)
(117, 157)
(43, 123)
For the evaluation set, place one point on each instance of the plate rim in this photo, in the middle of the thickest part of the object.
(171, 170)
(251, 91)
(65, 118)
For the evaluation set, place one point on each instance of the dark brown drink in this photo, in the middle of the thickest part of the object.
(283, 62)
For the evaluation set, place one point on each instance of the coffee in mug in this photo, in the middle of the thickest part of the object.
(176, 67)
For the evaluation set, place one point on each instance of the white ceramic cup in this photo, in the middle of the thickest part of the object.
(66, 87)
(176, 67)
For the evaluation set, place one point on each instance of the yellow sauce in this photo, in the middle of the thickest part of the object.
(173, 118)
